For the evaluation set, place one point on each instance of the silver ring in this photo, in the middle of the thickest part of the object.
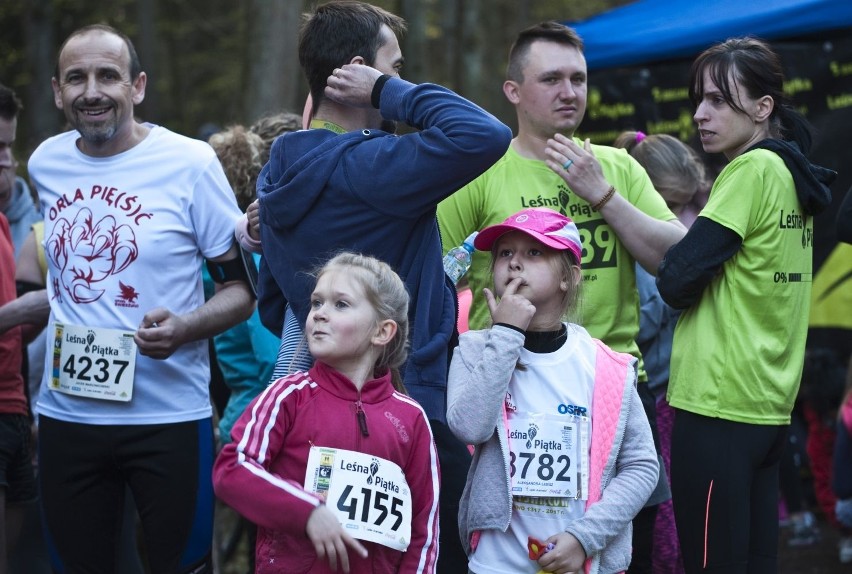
(567, 164)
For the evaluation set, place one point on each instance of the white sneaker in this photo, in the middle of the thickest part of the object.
(805, 530)
(845, 547)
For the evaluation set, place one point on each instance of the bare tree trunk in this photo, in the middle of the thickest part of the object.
(523, 13)
(273, 62)
(42, 116)
(450, 44)
(472, 49)
(414, 43)
(146, 47)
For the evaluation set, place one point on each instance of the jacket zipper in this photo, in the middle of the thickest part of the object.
(503, 440)
(361, 417)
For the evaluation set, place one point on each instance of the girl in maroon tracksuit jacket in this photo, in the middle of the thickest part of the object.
(336, 466)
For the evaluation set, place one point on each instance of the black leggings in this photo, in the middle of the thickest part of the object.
(83, 472)
(725, 494)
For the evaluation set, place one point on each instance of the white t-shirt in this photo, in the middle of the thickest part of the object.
(556, 385)
(123, 235)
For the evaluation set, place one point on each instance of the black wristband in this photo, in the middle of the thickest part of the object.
(376, 95)
(22, 287)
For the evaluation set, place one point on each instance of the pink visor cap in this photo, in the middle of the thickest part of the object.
(545, 225)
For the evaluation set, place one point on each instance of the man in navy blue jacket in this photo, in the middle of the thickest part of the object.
(350, 183)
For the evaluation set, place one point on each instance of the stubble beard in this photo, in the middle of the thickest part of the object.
(94, 133)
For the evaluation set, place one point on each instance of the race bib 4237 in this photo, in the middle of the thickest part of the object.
(93, 362)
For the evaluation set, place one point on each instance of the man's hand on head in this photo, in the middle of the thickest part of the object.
(352, 85)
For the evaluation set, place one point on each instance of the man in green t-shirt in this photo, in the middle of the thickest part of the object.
(621, 217)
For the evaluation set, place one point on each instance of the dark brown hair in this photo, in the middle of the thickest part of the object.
(10, 105)
(335, 33)
(757, 68)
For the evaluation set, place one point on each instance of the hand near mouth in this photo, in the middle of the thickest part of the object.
(512, 309)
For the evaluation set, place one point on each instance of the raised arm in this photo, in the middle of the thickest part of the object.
(479, 377)
(646, 238)
(456, 141)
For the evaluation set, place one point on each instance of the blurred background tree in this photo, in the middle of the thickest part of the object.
(220, 61)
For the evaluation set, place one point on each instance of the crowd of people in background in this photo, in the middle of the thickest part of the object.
(262, 320)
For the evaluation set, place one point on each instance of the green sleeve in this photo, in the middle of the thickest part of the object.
(459, 214)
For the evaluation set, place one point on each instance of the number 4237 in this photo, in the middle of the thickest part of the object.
(83, 368)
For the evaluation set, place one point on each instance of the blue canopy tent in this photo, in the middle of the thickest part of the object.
(655, 30)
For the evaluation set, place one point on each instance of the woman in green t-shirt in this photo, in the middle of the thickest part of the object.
(742, 276)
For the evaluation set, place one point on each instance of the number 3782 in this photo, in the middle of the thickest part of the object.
(544, 467)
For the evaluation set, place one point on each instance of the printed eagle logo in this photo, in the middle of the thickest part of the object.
(128, 293)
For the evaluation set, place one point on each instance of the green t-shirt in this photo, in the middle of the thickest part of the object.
(738, 352)
(610, 308)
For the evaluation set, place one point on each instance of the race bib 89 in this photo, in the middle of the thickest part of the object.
(368, 494)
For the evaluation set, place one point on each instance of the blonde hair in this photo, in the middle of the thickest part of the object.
(239, 153)
(674, 168)
(271, 126)
(565, 265)
(389, 298)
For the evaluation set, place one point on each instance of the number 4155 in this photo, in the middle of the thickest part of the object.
(379, 502)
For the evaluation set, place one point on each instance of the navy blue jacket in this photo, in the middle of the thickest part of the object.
(376, 193)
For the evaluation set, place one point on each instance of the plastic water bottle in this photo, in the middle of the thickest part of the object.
(457, 260)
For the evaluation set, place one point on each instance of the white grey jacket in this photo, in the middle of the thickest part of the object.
(623, 462)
